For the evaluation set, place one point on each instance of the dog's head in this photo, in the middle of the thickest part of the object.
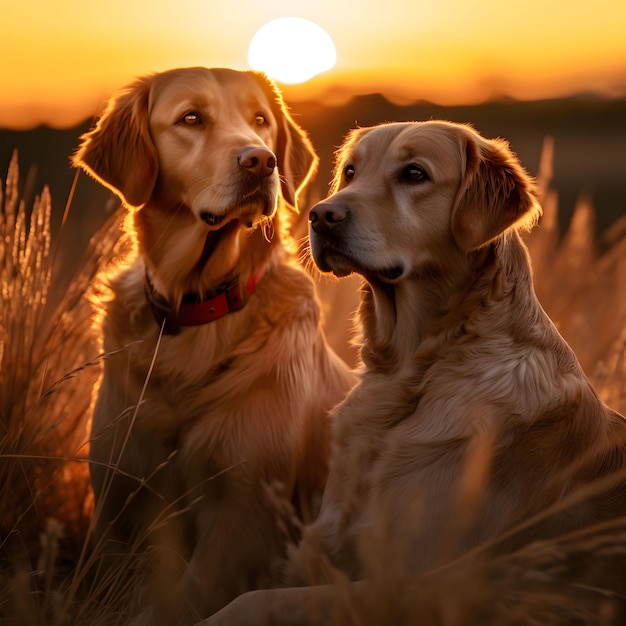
(408, 196)
(218, 142)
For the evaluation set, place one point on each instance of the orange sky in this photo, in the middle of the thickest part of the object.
(63, 58)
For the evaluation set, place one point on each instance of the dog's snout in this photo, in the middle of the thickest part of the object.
(326, 215)
(258, 161)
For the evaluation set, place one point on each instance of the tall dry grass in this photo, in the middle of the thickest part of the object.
(580, 279)
(50, 363)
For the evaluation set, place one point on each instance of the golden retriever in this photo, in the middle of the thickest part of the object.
(214, 397)
(472, 419)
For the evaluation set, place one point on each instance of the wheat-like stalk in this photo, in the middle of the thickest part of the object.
(49, 366)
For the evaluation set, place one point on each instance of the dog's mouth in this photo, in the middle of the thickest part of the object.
(342, 265)
(390, 275)
(248, 211)
(332, 255)
(212, 219)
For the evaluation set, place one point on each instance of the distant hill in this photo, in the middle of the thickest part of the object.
(589, 134)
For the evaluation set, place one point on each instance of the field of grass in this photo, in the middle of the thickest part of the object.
(50, 362)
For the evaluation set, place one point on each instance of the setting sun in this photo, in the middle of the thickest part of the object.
(292, 50)
(70, 56)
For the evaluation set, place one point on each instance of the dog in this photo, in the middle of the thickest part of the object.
(213, 404)
(472, 426)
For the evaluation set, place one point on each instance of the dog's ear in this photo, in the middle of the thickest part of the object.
(297, 159)
(496, 194)
(119, 152)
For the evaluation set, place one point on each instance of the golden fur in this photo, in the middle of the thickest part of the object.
(472, 423)
(190, 430)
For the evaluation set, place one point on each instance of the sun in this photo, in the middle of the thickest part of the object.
(292, 50)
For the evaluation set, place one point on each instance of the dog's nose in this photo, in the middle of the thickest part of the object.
(258, 161)
(326, 215)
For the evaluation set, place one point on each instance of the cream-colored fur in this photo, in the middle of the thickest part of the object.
(472, 417)
(191, 431)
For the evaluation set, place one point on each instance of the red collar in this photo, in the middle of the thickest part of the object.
(195, 312)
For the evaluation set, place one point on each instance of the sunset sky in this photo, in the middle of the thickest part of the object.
(61, 59)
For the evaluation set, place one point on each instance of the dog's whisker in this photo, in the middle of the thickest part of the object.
(268, 230)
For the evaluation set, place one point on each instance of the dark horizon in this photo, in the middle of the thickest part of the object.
(589, 133)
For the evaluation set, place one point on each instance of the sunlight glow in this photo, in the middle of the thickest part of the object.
(292, 50)
(456, 52)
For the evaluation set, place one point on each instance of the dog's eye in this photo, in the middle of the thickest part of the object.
(260, 119)
(414, 173)
(191, 119)
(348, 172)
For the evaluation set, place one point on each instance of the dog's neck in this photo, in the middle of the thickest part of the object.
(183, 257)
(407, 320)
(197, 311)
